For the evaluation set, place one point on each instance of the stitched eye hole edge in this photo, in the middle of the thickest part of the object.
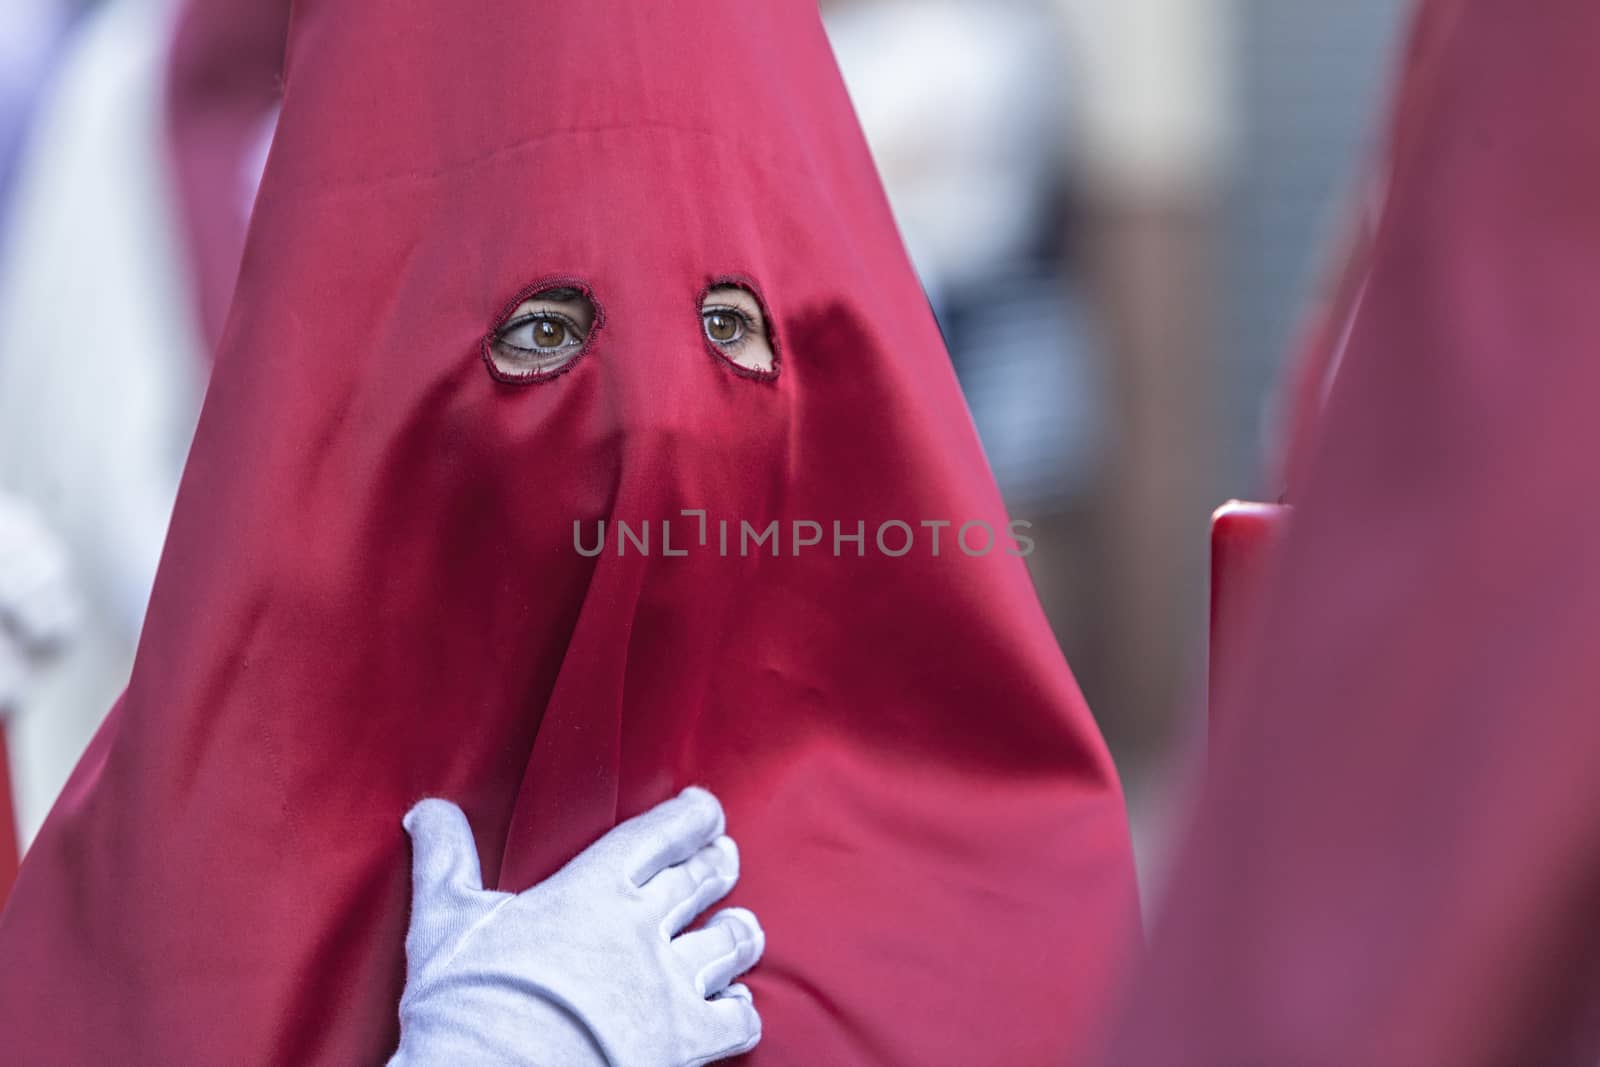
(741, 337)
(560, 309)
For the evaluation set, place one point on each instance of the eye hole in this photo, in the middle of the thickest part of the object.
(734, 323)
(544, 334)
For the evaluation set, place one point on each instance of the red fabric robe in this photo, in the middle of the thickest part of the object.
(371, 591)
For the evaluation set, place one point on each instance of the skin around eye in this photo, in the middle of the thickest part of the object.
(543, 334)
(733, 322)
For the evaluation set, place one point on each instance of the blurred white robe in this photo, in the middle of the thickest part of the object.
(101, 365)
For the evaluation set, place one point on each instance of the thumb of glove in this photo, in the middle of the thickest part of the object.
(444, 856)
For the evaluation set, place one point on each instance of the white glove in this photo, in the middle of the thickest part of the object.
(39, 608)
(587, 967)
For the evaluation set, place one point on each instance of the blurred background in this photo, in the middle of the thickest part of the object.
(1122, 212)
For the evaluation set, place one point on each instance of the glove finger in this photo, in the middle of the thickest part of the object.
(667, 834)
(680, 893)
(444, 855)
(723, 949)
(733, 1025)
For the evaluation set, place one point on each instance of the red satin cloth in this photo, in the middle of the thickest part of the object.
(223, 80)
(9, 845)
(370, 592)
(1398, 859)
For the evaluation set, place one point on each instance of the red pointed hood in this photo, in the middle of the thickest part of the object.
(372, 593)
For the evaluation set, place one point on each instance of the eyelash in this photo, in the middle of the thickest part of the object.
(539, 316)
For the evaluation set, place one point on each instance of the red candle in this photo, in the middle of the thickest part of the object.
(1244, 539)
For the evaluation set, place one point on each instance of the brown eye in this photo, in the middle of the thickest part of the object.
(548, 333)
(545, 333)
(734, 322)
(723, 327)
(539, 333)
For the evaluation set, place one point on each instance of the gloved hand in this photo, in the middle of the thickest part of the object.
(39, 609)
(588, 966)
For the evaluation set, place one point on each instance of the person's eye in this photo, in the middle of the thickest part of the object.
(540, 334)
(734, 322)
(726, 326)
(535, 344)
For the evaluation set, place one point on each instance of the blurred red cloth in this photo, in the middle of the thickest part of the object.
(224, 82)
(9, 845)
(371, 590)
(1310, 374)
(1397, 858)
